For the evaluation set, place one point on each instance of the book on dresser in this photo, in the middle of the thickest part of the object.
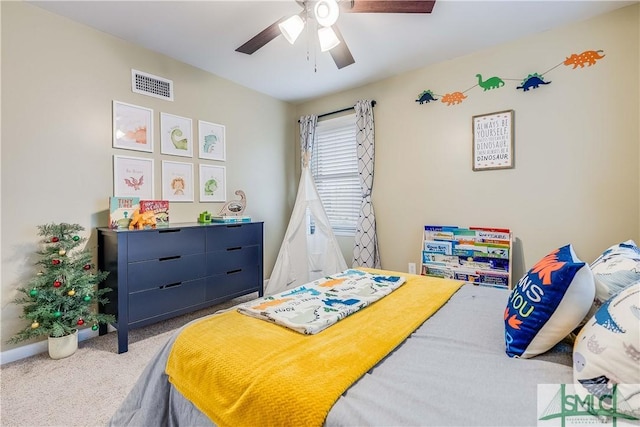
(477, 255)
(121, 210)
(160, 209)
(231, 218)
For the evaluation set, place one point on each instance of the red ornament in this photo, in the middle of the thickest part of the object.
(87, 267)
(55, 239)
(80, 322)
(57, 284)
(55, 261)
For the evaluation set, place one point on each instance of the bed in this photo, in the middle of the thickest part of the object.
(451, 370)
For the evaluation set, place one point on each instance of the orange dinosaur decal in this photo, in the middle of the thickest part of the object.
(588, 57)
(272, 303)
(332, 283)
(546, 266)
(453, 98)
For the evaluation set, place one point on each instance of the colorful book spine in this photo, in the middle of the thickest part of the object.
(160, 209)
(120, 211)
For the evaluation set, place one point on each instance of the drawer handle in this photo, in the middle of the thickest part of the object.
(173, 230)
(237, 248)
(234, 225)
(234, 271)
(169, 258)
(172, 285)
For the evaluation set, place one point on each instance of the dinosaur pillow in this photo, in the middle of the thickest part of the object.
(607, 353)
(547, 303)
(614, 270)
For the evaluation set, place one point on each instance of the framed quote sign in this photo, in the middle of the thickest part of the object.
(493, 146)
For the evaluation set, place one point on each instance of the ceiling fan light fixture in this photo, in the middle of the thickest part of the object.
(326, 12)
(291, 28)
(328, 38)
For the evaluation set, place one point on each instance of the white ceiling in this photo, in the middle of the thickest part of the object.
(205, 34)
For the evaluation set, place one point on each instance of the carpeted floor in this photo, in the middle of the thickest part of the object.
(86, 388)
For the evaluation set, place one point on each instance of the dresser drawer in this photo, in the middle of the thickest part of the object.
(160, 243)
(165, 271)
(165, 299)
(233, 235)
(233, 283)
(219, 262)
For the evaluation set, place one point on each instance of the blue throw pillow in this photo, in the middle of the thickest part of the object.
(548, 303)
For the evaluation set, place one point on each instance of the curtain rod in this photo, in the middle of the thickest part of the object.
(373, 104)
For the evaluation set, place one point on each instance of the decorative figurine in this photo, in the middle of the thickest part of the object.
(234, 207)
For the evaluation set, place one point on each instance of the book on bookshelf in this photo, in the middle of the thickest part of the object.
(231, 218)
(438, 247)
(121, 209)
(160, 210)
(479, 255)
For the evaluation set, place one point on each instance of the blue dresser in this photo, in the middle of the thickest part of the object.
(156, 274)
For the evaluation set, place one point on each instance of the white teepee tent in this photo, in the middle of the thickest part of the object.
(309, 250)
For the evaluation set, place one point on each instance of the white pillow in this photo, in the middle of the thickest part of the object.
(615, 269)
(607, 353)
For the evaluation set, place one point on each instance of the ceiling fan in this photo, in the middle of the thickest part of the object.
(325, 13)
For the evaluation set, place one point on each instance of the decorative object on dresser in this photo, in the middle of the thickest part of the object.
(234, 207)
(61, 297)
(142, 220)
(166, 272)
(204, 217)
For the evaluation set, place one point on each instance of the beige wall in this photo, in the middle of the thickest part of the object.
(58, 82)
(576, 142)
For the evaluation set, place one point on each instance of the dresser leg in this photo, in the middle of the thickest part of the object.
(123, 340)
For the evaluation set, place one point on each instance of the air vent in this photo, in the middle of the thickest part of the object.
(150, 85)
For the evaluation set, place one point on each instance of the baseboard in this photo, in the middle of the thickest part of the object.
(41, 347)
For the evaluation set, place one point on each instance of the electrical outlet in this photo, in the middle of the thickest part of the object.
(412, 268)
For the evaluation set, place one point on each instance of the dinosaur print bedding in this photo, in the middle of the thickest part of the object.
(315, 306)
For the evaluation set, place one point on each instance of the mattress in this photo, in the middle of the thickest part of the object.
(452, 371)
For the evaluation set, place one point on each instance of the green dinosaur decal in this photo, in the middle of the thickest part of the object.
(491, 83)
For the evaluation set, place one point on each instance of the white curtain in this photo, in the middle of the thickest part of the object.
(365, 250)
(309, 250)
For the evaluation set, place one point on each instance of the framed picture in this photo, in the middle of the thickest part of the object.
(176, 135)
(132, 177)
(132, 127)
(211, 141)
(493, 146)
(213, 183)
(177, 181)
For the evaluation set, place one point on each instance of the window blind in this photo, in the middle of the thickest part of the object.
(334, 166)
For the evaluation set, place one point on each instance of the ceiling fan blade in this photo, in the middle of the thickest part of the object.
(341, 54)
(262, 38)
(387, 6)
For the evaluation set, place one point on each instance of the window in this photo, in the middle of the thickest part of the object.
(334, 167)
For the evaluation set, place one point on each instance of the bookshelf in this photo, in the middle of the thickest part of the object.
(476, 255)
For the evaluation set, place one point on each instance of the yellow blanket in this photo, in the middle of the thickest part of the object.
(242, 371)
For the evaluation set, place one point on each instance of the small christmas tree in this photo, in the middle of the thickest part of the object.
(64, 292)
